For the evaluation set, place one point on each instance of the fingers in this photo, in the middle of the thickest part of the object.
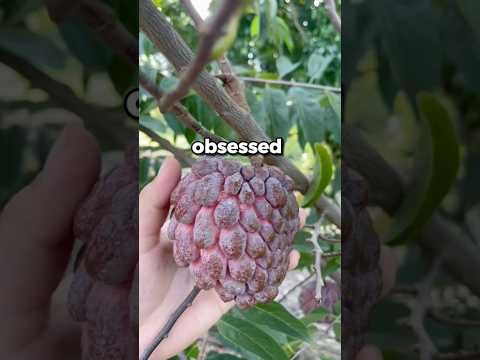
(36, 230)
(389, 266)
(155, 203)
(369, 352)
(293, 260)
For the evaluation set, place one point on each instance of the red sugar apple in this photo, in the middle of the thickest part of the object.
(233, 225)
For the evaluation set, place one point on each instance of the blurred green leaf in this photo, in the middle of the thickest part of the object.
(35, 48)
(306, 113)
(152, 123)
(317, 64)
(437, 168)
(322, 175)
(247, 336)
(255, 27)
(316, 315)
(277, 121)
(276, 317)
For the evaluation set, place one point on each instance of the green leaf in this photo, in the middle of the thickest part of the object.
(471, 11)
(317, 64)
(322, 175)
(437, 167)
(306, 112)
(218, 356)
(85, 45)
(336, 103)
(277, 121)
(255, 27)
(226, 41)
(285, 66)
(152, 123)
(276, 317)
(35, 48)
(282, 33)
(316, 315)
(247, 336)
(123, 79)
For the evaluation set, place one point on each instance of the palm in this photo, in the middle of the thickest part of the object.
(163, 285)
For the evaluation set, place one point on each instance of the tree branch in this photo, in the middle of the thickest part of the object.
(94, 116)
(331, 10)
(180, 154)
(386, 190)
(438, 317)
(212, 32)
(290, 83)
(193, 13)
(232, 84)
(180, 112)
(318, 260)
(167, 40)
(170, 323)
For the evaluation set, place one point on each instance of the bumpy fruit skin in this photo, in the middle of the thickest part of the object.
(330, 295)
(361, 276)
(233, 225)
(104, 291)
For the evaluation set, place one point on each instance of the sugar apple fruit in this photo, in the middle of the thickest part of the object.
(233, 225)
(361, 276)
(104, 291)
(330, 295)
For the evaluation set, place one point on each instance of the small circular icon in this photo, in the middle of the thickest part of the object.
(131, 103)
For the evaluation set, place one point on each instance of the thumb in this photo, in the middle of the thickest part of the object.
(36, 234)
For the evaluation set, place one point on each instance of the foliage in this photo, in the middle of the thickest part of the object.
(410, 74)
(291, 41)
(74, 57)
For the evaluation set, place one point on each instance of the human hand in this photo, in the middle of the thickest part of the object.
(389, 267)
(163, 285)
(35, 246)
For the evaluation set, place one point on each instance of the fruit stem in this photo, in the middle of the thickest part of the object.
(163, 334)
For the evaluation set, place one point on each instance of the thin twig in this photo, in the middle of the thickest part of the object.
(318, 260)
(452, 321)
(465, 355)
(170, 323)
(418, 310)
(331, 10)
(290, 83)
(296, 22)
(193, 13)
(213, 31)
(180, 112)
(331, 254)
(180, 154)
(94, 116)
(181, 355)
(203, 348)
(231, 83)
(322, 237)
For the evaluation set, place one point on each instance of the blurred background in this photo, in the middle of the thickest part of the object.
(53, 75)
(412, 91)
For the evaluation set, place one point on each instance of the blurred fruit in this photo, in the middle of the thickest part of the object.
(104, 292)
(330, 295)
(361, 276)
